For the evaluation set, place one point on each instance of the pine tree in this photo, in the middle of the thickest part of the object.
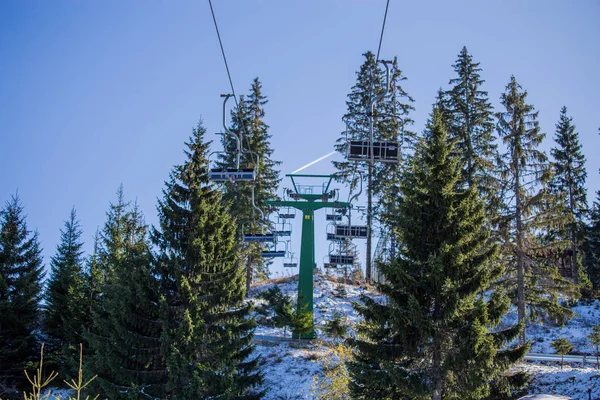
(208, 331)
(472, 126)
(336, 327)
(391, 122)
(284, 312)
(248, 123)
(125, 337)
(568, 184)
(433, 337)
(113, 237)
(532, 276)
(21, 274)
(65, 310)
(93, 289)
(562, 346)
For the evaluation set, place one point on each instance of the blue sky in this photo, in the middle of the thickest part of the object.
(98, 93)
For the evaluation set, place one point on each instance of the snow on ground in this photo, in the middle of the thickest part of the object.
(577, 331)
(328, 299)
(289, 368)
(571, 382)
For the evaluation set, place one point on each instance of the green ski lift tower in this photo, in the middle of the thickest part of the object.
(308, 199)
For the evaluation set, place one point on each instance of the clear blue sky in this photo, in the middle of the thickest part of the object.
(98, 93)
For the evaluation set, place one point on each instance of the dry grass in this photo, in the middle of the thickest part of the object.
(276, 281)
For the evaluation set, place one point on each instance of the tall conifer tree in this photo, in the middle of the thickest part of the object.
(125, 337)
(21, 273)
(248, 123)
(432, 339)
(472, 126)
(529, 209)
(65, 310)
(391, 121)
(93, 283)
(208, 331)
(568, 184)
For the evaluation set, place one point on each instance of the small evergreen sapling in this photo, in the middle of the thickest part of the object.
(337, 326)
(39, 382)
(302, 321)
(284, 313)
(562, 346)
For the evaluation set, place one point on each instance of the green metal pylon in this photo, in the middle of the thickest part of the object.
(308, 203)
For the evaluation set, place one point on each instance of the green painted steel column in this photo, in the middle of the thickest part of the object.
(307, 260)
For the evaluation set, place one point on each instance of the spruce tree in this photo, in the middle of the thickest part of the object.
(562, 346)
(113, 237)
(391, 121)
(65, 309)
(568, 184)
(528, 212)
(433, 336)
(208, 330)
(472, 126)
(248, 123)
(125, 337)
(21, 274)
(93, 289)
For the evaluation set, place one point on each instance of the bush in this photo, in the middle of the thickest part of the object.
(333, 384)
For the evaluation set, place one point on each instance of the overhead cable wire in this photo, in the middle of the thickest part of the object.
(223, 52)
(241, 122)
(382, 29)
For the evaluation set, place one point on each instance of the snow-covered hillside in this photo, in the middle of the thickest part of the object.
(290, 367)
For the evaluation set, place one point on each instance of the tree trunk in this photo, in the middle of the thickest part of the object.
(438, 382)
(249, 271)
(520, 259)
(468, 137)
(574, 266)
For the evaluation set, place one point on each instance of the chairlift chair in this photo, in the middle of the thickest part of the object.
(283, 229)
(232, 175)
(384, 151)
(351, 231)
(340, 256)
(327, 264)
(290, 262)
(289, 213)
(262, 236)
(236, 174)
(341, 259)
(387, 151)
(272, 252)
(333, 217)
(338, 232)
